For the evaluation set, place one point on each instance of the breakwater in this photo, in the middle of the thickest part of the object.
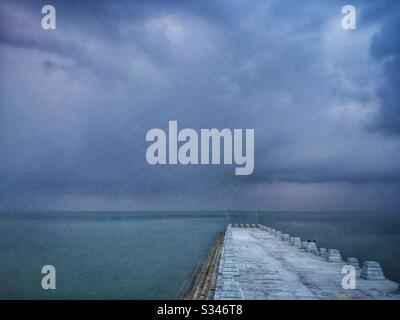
(259, 262)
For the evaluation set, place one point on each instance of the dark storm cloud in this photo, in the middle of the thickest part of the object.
(385, 48)
(77, 102)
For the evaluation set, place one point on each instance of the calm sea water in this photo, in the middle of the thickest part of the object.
(104, 255)
(154, 255)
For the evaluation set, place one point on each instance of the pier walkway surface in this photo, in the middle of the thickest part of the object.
(256, 264)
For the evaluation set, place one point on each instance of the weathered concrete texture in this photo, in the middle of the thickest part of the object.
(228, 288)
(203, 287)
(266, 268)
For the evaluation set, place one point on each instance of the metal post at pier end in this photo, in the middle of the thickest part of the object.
(258, 217)
(229, 216)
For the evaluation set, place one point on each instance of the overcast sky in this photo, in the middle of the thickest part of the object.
(76, 103)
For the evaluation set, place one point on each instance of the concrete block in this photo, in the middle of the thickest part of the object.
(323, 252)
(354, 262)
(311, 247)
(286, 237)
(371, 270)
(333, 255)
(296, 242)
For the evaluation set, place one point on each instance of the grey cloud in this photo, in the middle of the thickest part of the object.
(386, 49)
(76, 104)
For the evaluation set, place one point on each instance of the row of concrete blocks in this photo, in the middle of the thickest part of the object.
(246, 225)
(228, 287)
(371, 270)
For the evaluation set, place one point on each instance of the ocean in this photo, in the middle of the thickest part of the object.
(155, 255)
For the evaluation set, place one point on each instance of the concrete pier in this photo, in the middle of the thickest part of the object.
(228, 287)
(260, 266)
(203, 286)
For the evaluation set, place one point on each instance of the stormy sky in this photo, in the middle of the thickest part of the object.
(76, 103)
